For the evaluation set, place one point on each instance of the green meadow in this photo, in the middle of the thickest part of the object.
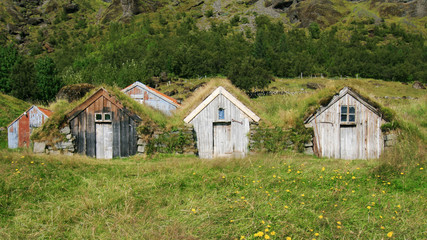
(263, 196)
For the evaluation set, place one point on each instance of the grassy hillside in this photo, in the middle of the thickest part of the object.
(10, 108)
(170, 197)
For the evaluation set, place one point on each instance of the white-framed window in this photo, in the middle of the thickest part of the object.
(103, 117)
(348, 114)
(221, 114)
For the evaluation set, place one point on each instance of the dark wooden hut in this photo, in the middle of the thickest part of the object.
(103, 127)
(19, 131)
(349, 127)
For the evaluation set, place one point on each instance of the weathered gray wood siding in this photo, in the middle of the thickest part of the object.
(12, 135)
(364, 140)
(143, 96)
(204, 127)
(124, 136)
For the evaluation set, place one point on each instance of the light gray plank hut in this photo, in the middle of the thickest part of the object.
(150, 96)
(348, 128)
(222, 125)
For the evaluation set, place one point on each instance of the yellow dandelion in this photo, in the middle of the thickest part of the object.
(242, 237)
(323, 168)
(302, 195)
(288, 238)
(368, 207)
(316, 234)
(390, 234)
(320, 217)
(266, 236)
(231, 221)
(353, 177)
(274, 176)
(286, 207)
(273, 233)
(421, 168)
(194, 173)
(242, 197)
(223, 176)
(402, 173)
(287, 190)
(32, 161)
(262, 222)
(382, 227)
(398, 206)
(266, 230)
(22, 156)
(339, 223)
(339, 227)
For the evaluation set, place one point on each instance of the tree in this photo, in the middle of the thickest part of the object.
(47, 81)
(8, 58)
(23, 80)
(249, 73)
(314, 30)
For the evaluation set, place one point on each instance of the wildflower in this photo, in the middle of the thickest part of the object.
(288, 238)
(42, 163)
(402, 173)
(242, 197)
(22, 156)
(368, 207)
(274, 176)
(231, 221)
(398, 206)
(353, 177)
(262, 222)
(223, 176)
(287, 190)
(242, 237)
(421, 168)
(320, 217)
(194, 173)
(316, 234)
(339, 227)
(381, 216)
(259, 234)
(286, 207)
(302, 195)
(382, 227)
(273, 233)
(390, 234)
(266, 236)
(193, 210)
(323, 169)
(339, 223)
(32, 161)
(266, 230)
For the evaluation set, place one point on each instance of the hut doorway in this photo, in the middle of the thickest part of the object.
(104, 140)
(348, 142)
(222, 139)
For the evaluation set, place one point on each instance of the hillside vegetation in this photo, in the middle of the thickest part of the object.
(10, 109)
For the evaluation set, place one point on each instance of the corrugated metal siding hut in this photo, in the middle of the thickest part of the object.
(150, 96)
(103, 128)
(348, 128)
(222, 125)
(19, 131)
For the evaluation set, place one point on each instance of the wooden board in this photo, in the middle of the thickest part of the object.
(223, 146)
(104, 140)
(349, 145)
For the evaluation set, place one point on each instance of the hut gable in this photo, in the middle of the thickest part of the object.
(103, 127)
(20, 129)
(348, 128)
(150, 96)
(222, 125)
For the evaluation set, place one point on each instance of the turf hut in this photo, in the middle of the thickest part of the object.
(150, 96)
(348, 127)
(103, 127)
(222, 125)
(19, 131)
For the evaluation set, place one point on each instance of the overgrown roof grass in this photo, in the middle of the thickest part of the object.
(203, 92)
(50, 130)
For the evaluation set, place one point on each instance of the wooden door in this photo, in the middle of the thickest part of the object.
(222, 140)
(104, 140)
(348, 142)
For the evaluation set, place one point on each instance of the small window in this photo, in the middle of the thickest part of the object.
(107, 117)
(221, 114)
(348, 114)
(98, 117)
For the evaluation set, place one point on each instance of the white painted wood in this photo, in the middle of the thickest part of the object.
(205, 120)
(104, 140)
(349, 146)
(214, 94)
(223, 146)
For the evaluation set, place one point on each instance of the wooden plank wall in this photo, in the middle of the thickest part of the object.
(327, 132)
(203, 126)
(124, 129)
(145, 97)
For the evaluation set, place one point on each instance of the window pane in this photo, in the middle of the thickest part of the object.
(344, 118)
(98, 116)
(343, 109)
(107, 117)
(352, 110)
(351, 118)
(221, 113)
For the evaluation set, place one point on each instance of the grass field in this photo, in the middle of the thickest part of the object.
(182, 197)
